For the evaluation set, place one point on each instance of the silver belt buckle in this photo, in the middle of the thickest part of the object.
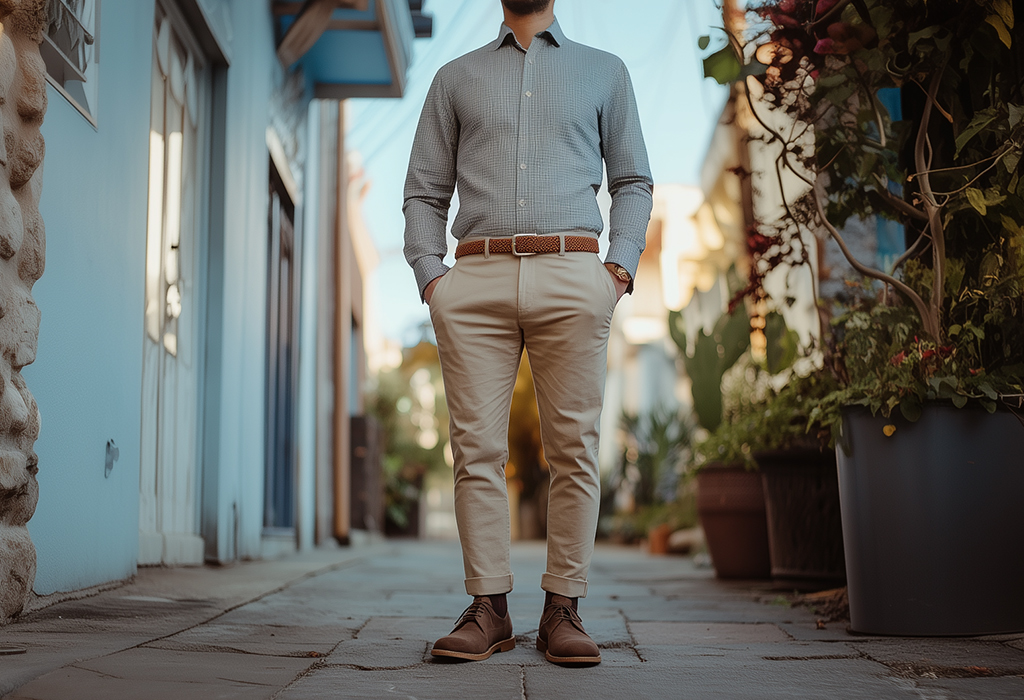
(516, 252)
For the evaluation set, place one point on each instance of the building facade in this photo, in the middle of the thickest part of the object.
(199, 359)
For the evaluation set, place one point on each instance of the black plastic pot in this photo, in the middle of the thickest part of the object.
(730, 505)
(805, 528)
(933, 522)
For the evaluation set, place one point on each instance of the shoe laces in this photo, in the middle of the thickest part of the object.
(562, 612)
(470, 614)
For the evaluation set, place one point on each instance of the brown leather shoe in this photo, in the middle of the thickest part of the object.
(479, 633)
(561, 635)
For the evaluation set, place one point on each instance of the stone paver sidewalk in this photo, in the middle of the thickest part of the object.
(358, 624)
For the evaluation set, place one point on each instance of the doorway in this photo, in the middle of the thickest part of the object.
(179, 128)
(282, 378)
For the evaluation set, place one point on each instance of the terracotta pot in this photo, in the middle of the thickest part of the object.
(657, 539)
(730, 504)
(805, 526)
(932, 521)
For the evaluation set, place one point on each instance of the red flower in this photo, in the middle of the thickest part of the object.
(824, 6)
(758, 243)
(898, 359)
(827, 46)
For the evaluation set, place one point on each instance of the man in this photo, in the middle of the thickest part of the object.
(521, 125)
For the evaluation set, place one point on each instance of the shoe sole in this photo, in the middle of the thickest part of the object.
(506, 645)
(590, 660)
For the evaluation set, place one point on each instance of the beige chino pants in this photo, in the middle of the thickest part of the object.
(485, 310)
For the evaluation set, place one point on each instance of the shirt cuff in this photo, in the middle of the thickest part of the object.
(626, 254)
(428, 268)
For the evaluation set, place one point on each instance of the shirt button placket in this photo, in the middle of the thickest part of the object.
(524, 219)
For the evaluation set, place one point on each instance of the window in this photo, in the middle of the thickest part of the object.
(173, 177)
(70, 50)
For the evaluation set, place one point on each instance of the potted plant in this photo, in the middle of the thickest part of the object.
(730, 496)
(769, 429)
(801, 485)
(653, 445)
(931, 371)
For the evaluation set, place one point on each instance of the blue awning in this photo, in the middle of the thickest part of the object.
(361, 48)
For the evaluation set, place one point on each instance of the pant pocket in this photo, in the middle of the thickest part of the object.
(606, 282)
(442, 284)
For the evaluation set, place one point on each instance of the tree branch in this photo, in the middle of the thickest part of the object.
(774, 134)
(998, 157)
(900, 205)
(932, 207)
(929, 322)
(908, 252)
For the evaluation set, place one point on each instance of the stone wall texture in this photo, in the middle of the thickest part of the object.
(22, 246)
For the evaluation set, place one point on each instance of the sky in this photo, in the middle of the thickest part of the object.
(657, 40)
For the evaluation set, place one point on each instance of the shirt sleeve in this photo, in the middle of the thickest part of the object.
(429, 185)
(629, 175)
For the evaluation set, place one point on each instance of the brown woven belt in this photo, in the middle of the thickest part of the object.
(528, 244)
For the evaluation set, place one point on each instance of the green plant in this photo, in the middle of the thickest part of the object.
(653, 444)
(949, 172)
(776, 419)
(678, 513)
(408, 401)
(711, 356)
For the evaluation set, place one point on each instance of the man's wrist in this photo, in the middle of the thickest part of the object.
(620, 272)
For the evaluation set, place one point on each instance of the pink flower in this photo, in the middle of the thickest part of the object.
(824, 6)
(826, 46)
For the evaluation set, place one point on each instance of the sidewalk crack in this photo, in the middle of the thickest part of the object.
(101, 674)
(310, 670)
(356, 633)
(632, 637)
(280, 589)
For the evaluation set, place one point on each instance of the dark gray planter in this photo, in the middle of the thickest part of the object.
(933, 522)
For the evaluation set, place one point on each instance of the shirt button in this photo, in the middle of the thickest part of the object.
(522, 202)
(522, 166)
(529, 94)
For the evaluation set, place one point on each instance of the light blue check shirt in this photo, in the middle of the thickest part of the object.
(523, 134)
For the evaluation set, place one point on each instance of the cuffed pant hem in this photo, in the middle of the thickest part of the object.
(559, 585)
(489, 585)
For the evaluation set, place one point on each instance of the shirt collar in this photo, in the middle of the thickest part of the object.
(553, 34)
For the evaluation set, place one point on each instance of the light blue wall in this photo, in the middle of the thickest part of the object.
(235, 417)
(88, 371)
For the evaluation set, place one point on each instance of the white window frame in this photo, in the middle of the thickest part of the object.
(62, 70)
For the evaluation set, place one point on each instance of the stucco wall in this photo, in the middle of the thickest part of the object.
(87, 375)
(234, 444)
